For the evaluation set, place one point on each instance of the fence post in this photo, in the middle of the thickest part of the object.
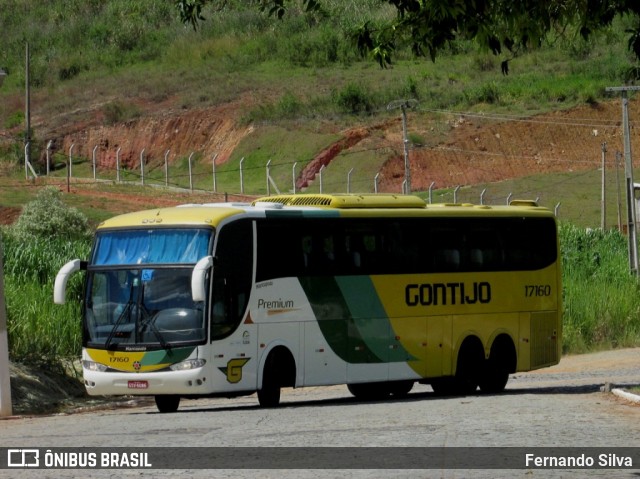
(293, 177)
(26, 161)
(431, 191)
(190, 173)
(93, 159)
(349, 180)
(482, 196)
(268, 176)
(49, 156)
(241, 176)
(213, 166)
(455, 194)
(555, 211)
(321, 169)
(118, 165)
(375, 182)
(27, 164)
(166, 168)
(509, 198)
(142, 166)
(70, 166)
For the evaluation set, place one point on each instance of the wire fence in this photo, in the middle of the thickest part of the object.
(481, 159)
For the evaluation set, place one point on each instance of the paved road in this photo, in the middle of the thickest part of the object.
(555, 407)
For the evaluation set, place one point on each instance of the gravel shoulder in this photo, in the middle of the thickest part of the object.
(40, 391)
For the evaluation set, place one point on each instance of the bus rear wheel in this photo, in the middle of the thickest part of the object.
(444, 386)
(494, 378)
(167, 403)
(502, 361)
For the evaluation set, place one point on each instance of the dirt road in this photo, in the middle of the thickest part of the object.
(557, 407)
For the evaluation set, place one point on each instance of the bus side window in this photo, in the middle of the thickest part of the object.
(232, 277)
(319, 254)
(447, 260)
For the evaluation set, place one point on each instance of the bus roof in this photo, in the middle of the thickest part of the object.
(317, 205)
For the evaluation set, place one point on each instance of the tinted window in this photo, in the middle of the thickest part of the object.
(347, 246)
(232, 275)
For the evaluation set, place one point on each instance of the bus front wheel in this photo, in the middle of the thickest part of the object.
(400, 388)
(369, 391)
(269, 394)
(167, 403)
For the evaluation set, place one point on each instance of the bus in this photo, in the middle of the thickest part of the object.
(375, 291)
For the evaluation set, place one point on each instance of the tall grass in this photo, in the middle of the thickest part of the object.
(601, 300)
(39, 331)
(601, 297)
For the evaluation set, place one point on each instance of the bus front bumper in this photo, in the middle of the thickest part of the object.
(147, 384)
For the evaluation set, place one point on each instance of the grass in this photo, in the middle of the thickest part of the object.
(576, 195)
(40, 331)
(305, 84)
(601, 300)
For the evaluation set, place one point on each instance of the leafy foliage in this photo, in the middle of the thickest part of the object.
(40, 331)
(47, 217)
(45, 237)
(601, 300)
(431, 25)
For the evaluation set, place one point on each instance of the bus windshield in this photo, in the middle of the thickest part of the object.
(151, 307)
(139, 289)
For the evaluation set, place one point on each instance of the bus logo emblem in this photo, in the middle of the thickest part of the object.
(233, 371)
(137, 365)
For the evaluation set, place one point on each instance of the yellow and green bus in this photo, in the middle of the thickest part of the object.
(377, 292)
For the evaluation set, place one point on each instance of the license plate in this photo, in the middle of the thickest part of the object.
(138, 384)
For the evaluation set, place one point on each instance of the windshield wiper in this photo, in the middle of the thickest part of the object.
(127, 308)
(150, 321)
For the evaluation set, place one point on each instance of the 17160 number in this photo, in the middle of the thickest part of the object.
(531, 290)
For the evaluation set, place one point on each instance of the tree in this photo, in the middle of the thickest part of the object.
(500, 26)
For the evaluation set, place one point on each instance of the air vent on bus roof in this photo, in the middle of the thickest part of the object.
(523, 203)
(346, 201)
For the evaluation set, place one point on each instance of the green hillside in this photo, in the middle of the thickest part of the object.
(300, 80)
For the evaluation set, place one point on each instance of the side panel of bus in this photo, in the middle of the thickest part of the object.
(375, 299)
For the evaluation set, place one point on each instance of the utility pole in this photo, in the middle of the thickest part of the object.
(404, 104)
(5, 378)
(628, 167)
(618, 156)
(27, 110)
(603, 222)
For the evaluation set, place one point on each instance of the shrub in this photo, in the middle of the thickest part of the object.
(48, 217)
(353, 99)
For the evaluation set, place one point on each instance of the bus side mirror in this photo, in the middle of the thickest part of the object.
(60, 285)
(198, 277)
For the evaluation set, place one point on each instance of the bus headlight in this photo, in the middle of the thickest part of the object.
(188, 364)
(93, 366)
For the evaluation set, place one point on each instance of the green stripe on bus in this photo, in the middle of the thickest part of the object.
(169, 356)
(335, 321)
(370, 316)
